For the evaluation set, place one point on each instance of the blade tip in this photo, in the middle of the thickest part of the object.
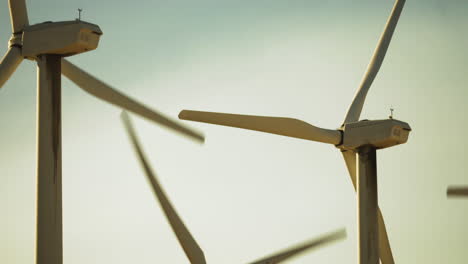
(183, 115)
(338, 234)
(451, 190)
(343, 232)
(125, 117)
(200, 138)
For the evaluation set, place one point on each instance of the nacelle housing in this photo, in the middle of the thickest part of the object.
(60, 38)
(378, 133)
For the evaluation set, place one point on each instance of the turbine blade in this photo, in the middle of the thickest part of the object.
(385, 251)
(18, 15)
(350, 160)
(301, 248)
(457, 191)
(193, 252)
(275, 125)
(104, 92)
(355, 109)
(9, 63)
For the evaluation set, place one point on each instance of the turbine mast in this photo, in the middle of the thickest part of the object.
(368, 232)
(49, 161)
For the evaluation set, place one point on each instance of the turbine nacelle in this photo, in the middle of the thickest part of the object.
(377, 133)
(64, 38)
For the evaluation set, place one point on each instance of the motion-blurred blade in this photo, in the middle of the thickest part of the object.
(385, 251)
(104, 92)
(275, 125)
(18, 15)
(188, 243)
(9, 63)
(457, 191)
(355, 109)
(298, 249)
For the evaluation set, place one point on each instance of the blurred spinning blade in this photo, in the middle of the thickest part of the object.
(302, 248)
(457, 191)
(104, 92)
(192, 250)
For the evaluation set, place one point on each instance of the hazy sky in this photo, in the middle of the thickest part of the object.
(245, 194)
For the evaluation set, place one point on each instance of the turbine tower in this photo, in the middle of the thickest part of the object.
(47, 43)
(191, 248)
(357, 139)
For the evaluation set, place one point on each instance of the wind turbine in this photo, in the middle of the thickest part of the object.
(47, 43)
(191, 248)
(355, 137)
(457, 191)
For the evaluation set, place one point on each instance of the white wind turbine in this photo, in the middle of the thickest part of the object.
(355, 137)
(191, 248)
(47, 43)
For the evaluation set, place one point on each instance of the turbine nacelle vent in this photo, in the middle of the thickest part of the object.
(60, 38)
(378, 133)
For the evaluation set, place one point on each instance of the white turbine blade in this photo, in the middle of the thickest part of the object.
(301, 248)
(9, 63)
(191, 248)
(457, 191)
(355, 109)
(18, 15)
(275, 125)
(104, 92)
(385, 251)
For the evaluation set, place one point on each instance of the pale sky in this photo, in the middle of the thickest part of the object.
(244, 194)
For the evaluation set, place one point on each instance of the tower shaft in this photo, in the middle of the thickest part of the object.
(368, 236)
(49, 161)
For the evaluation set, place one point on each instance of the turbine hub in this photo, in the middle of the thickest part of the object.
(377, 133)
(16, 40)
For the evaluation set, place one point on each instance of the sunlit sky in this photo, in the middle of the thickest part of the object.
(244, 194)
